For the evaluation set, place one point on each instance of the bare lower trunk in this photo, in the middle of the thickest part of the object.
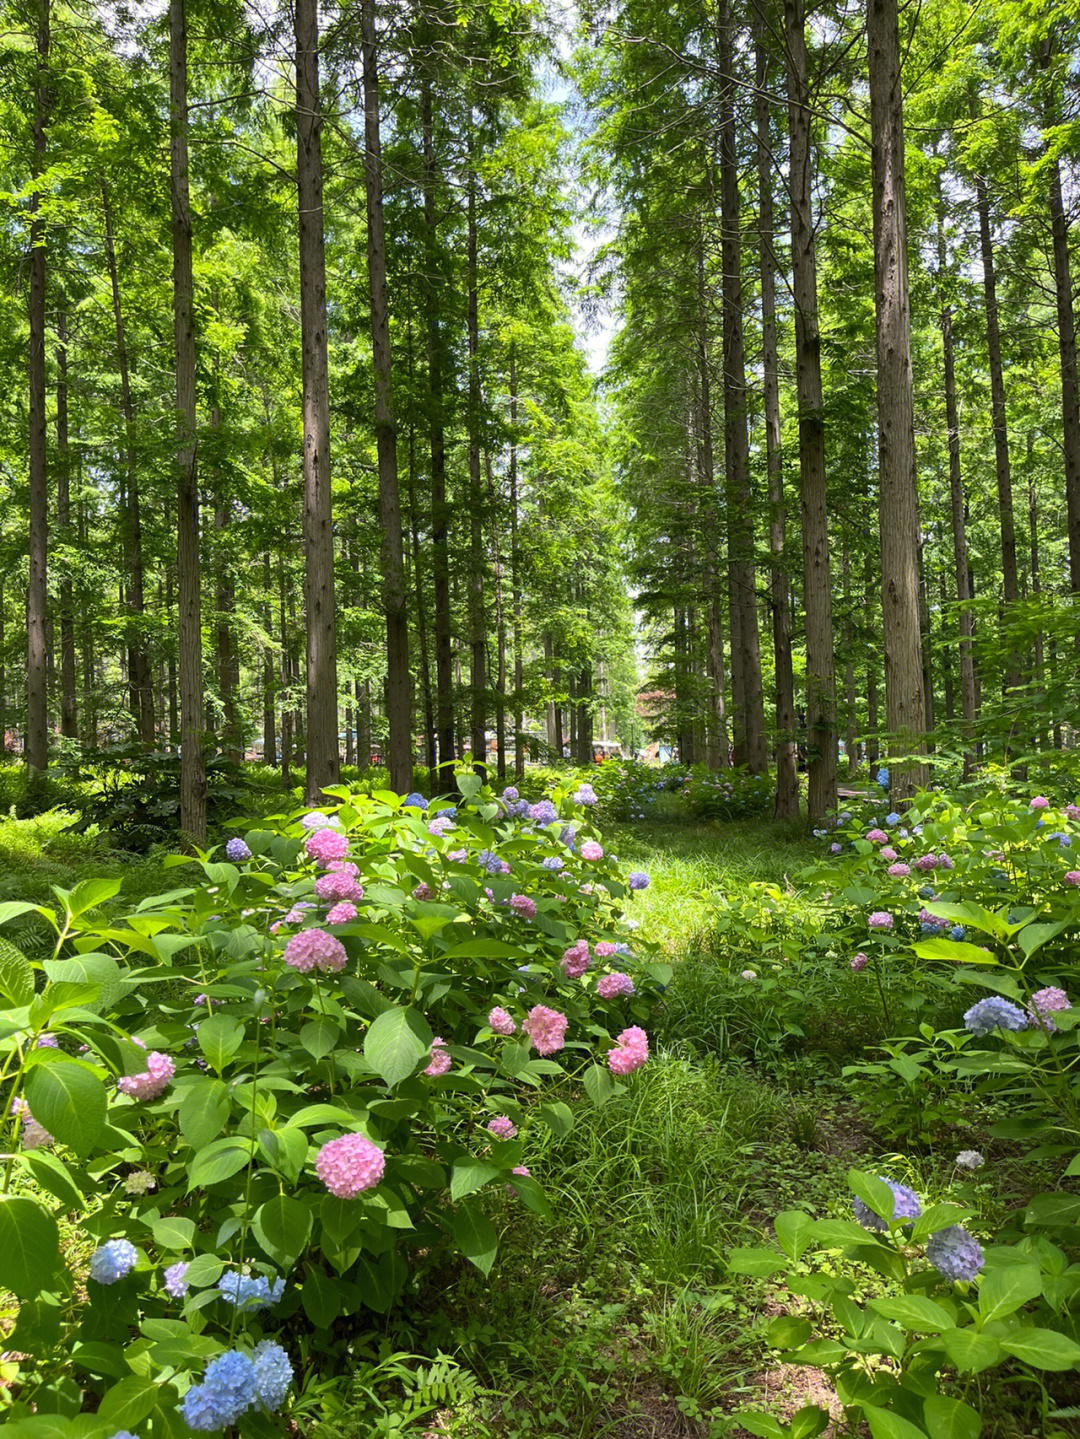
(69, 718)
(322, 756)
(36, 749)
(189, 625)
(477, 617)
(515, 578)
(904, 697)
(268, 687)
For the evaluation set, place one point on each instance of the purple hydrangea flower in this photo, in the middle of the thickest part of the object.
(637, 879)
(955, 1253)
(544, 812)
(994, 1013)
(237, 850)
(176, 1280)
(906, 1205)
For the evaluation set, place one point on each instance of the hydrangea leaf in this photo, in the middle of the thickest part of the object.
(70, 1101)
(396, 1042)
(950, 1418)
(29, 1246)
(1042, 1348)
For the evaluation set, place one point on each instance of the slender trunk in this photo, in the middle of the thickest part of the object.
(849, 660)
(226, 657)
(418, 582)
(515, 579)
(69, 719)
(268, 686)
(709, 523)
(500, 624)
(286, 684)
(927, 650)
(477, 617)
(957, 508)
(392, 552)
(787, 775)
(584, 716)
(817, 579)
(189, 624)
(1040, 705)
(948, 679)
(323, 763)
(898, 511)
(872, 748)
(551, 708)
(362, 693)
(3, 674)
(36, 749)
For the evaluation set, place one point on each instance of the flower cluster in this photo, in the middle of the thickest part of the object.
(523, 905)
(349, 1165)
(502, 1127)
(584, 794)
(637, 879)
(338, 884)
(544, 812)
(112, 1261)
(151, 1081)
(249, 1292)
(630, 1052)
(324, 845)
(610, 986)
(880, 919)
(34, 1135)
(234, 1383)
(440, 1058)
(576, 960)
(546, 1028)
(955, 1253)
(501, 1022)
(315, 949)
(237, 851)
(1043, 1004)
(906, 1205)
(590, 850)
(994, 1013)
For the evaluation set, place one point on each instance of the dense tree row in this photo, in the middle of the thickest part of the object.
(844, 259)
(295, 436)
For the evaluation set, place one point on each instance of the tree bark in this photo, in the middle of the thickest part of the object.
(477, 617)
(898, 509)
(392, 554)
(716, 755)
(787, 776)
(323, 762)
(515, 579)
(189, 623)
(817, 578)
(268, 686)
(36, 751)
(69, 717)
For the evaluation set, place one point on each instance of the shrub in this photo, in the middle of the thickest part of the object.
(727, 794)
(278, 1096)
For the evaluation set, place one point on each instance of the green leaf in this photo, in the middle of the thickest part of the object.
(220, 1036)
(558, 1117)
(16, 976)
(29, 1246)
(469, 1175)
(794, 1233)
(1042, 1348)
(475, 1236)
(319, 1036)
(808, 1422)
(788, 1332)
(217, 1162)
(90, 893)
(94, 969)
(758, 1263)
(286, 1149)
(1005, 1290)
(1033, 936)
(283, 1226)
(70, 1102)
(173, 1233)
(12, 908)
(950, 1419)
(204, 1270)
(53, 1175)
(599, 1084)
(884, 1424)
(914, 1312)
(203, 1111)
(958, 951)
(874, 1193)
(321, 1298)
(970, 1351)
(395, 1044)
(128, 1403)
(764, 1426)
(838, 1233)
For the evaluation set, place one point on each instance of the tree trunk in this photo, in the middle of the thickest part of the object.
(1040, 705)
(323, 763)
(362, 693)
(515, 579)
(36, 751)
(817, 579)
(872, 748)
(399, 756)
(927, 651)
(286, 684)
(477, 617)
(440, 553)
(268, 687)
(709, 523)
(227, 657)
(189, 623)
(849, 659)
(69, 718)
(898, 509)
(787, 775)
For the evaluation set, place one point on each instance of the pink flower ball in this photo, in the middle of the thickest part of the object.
(605, 949)
(880, 919)
(338, 886)
(591, 850)
(1072, 879)
(945, 861)
(576, 960)
(458, 855)
(343, 866)
(888, 852)
(323, 845)
(610, 986)
(876, 836)
(631, 1051)
(440, 1058)
(899, 871)
(926, 862)
(341, 913)
(1073, 811)
(1039, 802)
(546, 1028)
(502, 1127)
(440, 824)
(523, 1172)
(523, 905)
(315, 949)
(349, 1165)
(500, 1021)
(423, 891)
(151, 1081)
(859, 962)
(32, 1134)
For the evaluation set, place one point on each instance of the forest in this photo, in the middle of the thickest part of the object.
(539, 775)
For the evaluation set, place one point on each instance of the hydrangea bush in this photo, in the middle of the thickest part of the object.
(263, 1106)
(727, 794)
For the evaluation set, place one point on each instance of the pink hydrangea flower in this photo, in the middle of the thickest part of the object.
(423, 891)
(315, 949)
(945, 861)
(440, 1058)
(151, 1081)
(859, 962)
(1073, 811)
(546, 1028)
(338, 886)
(605, 949)
(899, 870)
(1072, 878)
(341, 913)
(502, 1127)
(927, 862)
(500, 1021)
(323, 845)
(630, 1052)
(591, 850)
(576, 960)
(610, 986)
(523, 905)
(33, 1134)
(440, 824)
(880, 919)
(349, 1165)
(523, 1172)
(1039, 802)
(876, 836)
(888, 852)
(1044, 1002)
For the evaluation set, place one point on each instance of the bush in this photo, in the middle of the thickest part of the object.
(277, 1097)
(727, 794)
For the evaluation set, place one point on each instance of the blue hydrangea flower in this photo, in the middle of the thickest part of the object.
(273, 1374)
(450, 812)
(237, 850)
(176, 1280)
(553, 862)
(414, 801)
(489, 861)
(957, 932)
(994, 1013)
(955, 1253)
(519, 809)
(835, 848)
(249, 1292)
(622, 948)
(566, 837)
(112, 1261)
(637, 879)
(585, 794)
(892, 817)
(123, 1434)
(883, 777)
(906, 1205)
(227, 1391)
(927, 892)
(544, 812)
(510, 794)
